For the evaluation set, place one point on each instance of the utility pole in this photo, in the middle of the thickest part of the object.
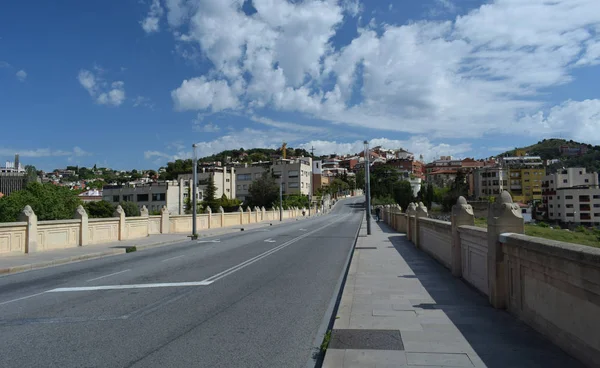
(281, 196)
(367, 187)
(194, 190)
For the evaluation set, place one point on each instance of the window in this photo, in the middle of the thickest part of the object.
(503, 182)
(244, 187)
(587, 180)
(293, 174)
(569, 205)
(569, 197)
(580, 172)
(227, 180)
(244, 177)
(564, 180)
(158, 196)
(596, 196)
(551, 214)
(115, 198)
(128, 198)
(557, 197)
(551, 206)
(238, 187)
(142, 197)
(227, 190)
(569, 214)
(293, 185)
(596, 205)
(495, 182)
(558, 206)
(257, 175)
(597, 214)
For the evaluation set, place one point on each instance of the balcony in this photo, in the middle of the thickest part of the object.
(584, 207)
(584, 198)
(585, 216)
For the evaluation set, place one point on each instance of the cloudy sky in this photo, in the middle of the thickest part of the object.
(134, 83)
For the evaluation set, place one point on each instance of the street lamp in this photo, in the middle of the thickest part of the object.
(194, 189)
(367, 188)
(281, 195)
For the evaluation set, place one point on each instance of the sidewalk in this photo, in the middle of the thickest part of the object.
(401, 308)
(25, 262)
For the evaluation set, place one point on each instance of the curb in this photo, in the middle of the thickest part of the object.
(56, 262)
(331, 312)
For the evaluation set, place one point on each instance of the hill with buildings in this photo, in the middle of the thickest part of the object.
(563, 153)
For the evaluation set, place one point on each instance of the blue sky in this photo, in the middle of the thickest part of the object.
(132, 84)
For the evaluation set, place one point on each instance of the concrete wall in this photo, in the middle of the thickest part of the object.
(435, 238)
(36, 236)
(552, 286)
(555, 288)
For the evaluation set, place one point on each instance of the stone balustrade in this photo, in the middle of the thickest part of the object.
(552, 286)
(30, 235)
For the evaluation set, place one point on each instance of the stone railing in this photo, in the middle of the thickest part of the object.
(30, 235)
(552, 286)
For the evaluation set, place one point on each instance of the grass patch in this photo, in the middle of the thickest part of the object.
(581, 236)
(325, 342)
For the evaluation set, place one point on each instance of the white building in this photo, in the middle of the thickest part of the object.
(489, 181)
(154, 196)
(296, 177)
(572, 195)
(224, 179)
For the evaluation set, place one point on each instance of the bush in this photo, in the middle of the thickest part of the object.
(542, 224)
(100, 209)
(580, 229)
(130, 208)
(48, 201)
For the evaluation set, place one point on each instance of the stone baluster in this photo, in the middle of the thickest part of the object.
(120, 213)
(165, 224)
(462, 214)
(30, 218)
(84, 229)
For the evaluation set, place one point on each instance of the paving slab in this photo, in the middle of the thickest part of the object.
(442, 321)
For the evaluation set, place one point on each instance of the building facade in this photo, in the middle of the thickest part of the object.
(12, 181)
(525, 174)
(172, 194)
(489, 181)
(572, 196)
(224, 179)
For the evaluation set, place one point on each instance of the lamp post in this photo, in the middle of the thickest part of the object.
(367, 188)
(194, 190)
(281, 196)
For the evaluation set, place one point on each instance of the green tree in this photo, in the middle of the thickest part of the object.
(130, 208)
(99, 209)
(403, 193)
(178, 167)
(263, 191)
(48, 201)
(210, 194)
(459, 187)
(31, 173)
(427, 195)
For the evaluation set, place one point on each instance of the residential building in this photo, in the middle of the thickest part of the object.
(573, 151)
(13, 166)
(411, 167)
(12, 181)
(331, 167)
(319, 181)
(349, 163)
(525, 175)
(489, 181)
(572, 196)
(154, 196)
(246, 174)
(92, 195)
(403, 154)
(224, 179)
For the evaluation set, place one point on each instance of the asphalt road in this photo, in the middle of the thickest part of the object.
(250, 299)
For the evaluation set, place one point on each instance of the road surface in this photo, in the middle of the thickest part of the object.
(250, 299)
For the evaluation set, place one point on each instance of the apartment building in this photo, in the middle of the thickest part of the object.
(332, 167)
(224, 179)
(489, 181)
(154, 196)
(572, 196)
(296, 175)
(525, 175)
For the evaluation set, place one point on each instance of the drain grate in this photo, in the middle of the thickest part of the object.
(365, 247)
(366, 339)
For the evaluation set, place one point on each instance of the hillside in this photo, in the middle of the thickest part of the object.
(548, 149)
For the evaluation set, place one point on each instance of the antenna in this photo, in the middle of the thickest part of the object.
(312, 151)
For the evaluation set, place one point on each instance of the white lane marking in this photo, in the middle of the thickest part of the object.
(209, 241)
(168, 259)
(25, 297)
(269, 240)
(257, 258)
(112, 274)
(302, 229)
(133, 286)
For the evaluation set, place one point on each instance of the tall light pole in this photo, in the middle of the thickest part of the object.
(367, 187)
(194, 190)
(281, 195)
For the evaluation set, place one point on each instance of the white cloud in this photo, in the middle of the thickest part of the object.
(471, 76)
(21, 75)
(4, 64)
(103, 93)
(141, 101)
(200, 94)
(152, 154)
(353, 7)
(288, 126)
(150, 24)
(206, 128)
(43, 152)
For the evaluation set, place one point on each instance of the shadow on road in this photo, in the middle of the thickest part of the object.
(497, 337)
